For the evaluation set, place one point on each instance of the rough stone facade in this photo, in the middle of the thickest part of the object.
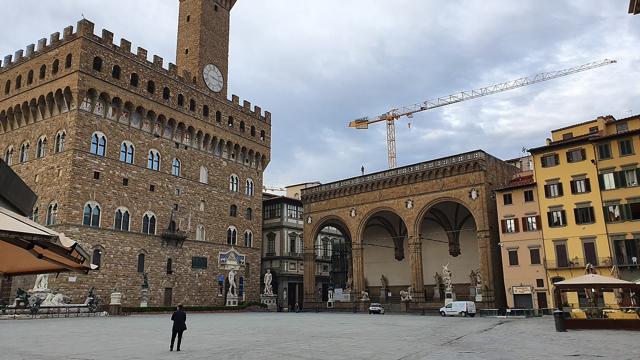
(82, 84)
(410, 192)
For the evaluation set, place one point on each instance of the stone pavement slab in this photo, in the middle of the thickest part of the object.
(308, 336)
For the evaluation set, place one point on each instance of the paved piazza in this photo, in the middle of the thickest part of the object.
(309, 336)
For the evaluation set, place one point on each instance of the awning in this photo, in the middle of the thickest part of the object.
(27, 247)
(594, 281)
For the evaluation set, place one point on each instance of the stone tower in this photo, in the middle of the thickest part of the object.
(203, 39)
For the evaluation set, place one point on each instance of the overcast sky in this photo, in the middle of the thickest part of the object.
(316, 65)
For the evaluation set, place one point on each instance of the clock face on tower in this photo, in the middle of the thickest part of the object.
(213, 78)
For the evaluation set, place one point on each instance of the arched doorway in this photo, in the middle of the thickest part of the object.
(387, 269)
(333, 261)
(448, 233)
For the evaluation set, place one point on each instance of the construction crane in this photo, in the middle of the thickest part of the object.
(393, 115)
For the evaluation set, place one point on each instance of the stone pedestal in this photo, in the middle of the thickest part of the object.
(144, 299)
(449, 297)
(364, 306)
(232, 300)
(269, 300)
(115, 305)
(404, 306)
(478, 293)
(383, 296)
(329, 304)
(436, 294)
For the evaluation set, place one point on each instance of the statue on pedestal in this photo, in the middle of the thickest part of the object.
(365, 296)
(383, 281)
(331, 295)
(473, 279)
(349, 285)
(268, 288)
(232, 283)
(447, 275)
(438, 286)
(406, 295)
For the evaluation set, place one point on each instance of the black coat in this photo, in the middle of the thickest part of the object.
(179, 318)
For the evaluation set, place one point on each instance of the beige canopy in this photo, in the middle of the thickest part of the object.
(27, 247)
(593, 279)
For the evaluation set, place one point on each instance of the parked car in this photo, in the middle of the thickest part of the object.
(461, 308)
(376, 308)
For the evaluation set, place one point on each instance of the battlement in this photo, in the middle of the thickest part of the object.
(86, 29)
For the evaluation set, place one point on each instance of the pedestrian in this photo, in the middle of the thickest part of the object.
(179, 319)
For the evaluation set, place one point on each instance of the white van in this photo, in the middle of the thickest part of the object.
(462, 308)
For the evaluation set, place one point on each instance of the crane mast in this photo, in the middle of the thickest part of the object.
(391, 116)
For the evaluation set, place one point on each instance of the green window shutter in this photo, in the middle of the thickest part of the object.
(601, 181)
(587, 185)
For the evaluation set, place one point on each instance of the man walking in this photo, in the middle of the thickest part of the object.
(179, 319)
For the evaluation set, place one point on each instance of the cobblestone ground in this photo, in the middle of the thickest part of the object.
(309, 336)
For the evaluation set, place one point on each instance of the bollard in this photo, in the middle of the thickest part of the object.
(558, 317)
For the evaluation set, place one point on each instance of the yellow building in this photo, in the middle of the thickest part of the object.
(587, 184)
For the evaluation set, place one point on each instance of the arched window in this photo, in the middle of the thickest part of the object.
(153, 161)
(133, 81)
(242, 129)
(55, 67)
(166, 93)
(59, 144)
(205, 111)
(253, 131)
(18, 82)
(192, 105)
(248, 214)
(175, 167)
(149, 223)
(262, 135)
(141, 263)
(52, 213)
(234, 183)
(41, 148)
(97, 63)
(218, 117)
(7, 87)
(122, 220)
(200, 233)
(43, 71)
(30, 77)
(169, 266)
(91, 214)
(180, 100)
(151, 87)
(248, 238)
(8, 156)
(98, 144)
(204, 175)
(202, 205)
(115, 72)
(230, 121)
(233, 211)
(24, 152)
(248, 190)
(127, 152)
(96, 258)
(68, 61)
(232, 236)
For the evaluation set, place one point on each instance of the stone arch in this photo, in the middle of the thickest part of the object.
(170, 129)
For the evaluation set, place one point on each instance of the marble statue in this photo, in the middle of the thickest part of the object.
(446, 278)
(268, 278)
(383, 281)
(349, 284)
(232, 283)
(55, 300)
(589, 269)
(478, 278)
(473, 278)
(437, 286)
(406, 295)
(365, 296)
(42, 282)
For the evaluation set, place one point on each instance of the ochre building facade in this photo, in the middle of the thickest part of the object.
(151, 169)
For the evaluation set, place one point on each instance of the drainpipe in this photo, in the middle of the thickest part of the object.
(606, 227)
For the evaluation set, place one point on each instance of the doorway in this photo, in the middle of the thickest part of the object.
(523, 301)
(168, 297)
(542, 300)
